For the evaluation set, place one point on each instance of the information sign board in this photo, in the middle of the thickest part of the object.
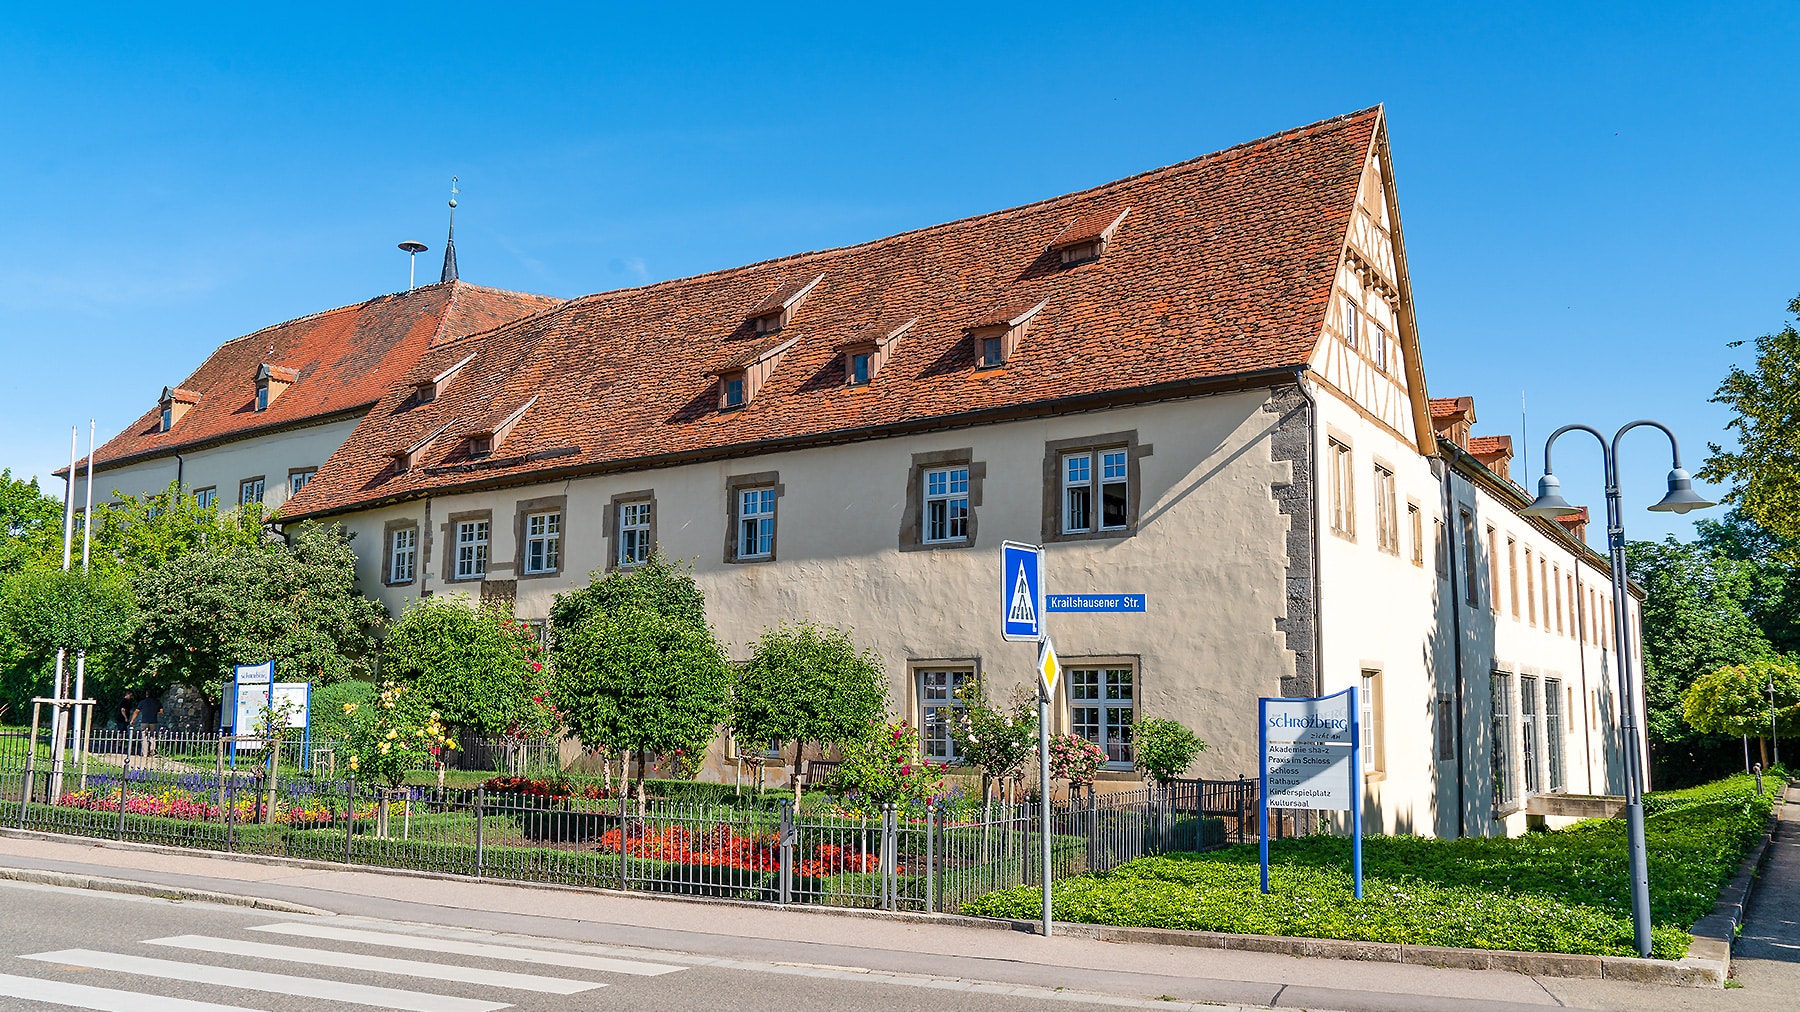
(1311, 754)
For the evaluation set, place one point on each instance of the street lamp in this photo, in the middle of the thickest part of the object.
(1680, 498)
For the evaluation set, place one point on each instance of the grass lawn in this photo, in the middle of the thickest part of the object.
(1563, 891)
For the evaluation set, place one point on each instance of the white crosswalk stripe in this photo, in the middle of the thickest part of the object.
(101, 999)
(379, 964)
(258, 980)
(484, 950)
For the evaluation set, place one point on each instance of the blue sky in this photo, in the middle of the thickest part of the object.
(1595, 201)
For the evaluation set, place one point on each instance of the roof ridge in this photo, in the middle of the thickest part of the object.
(444, 317)
(553, 308)
(1235, 150)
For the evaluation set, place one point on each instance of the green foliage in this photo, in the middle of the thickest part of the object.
(210, 609)
(807, 683)
(1734, 700)
(883, 767)
(1562, 891)
(479, 667)
(1163, 748)
(141, 533)
(30, 525)
(391, 736)
(640, 681)
(995, 741)
(330, 720)
(660, 585)
(1764, 468)
(48, 609)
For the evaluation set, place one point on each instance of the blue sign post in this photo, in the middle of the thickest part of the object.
(1021, 591)
(1310, 751)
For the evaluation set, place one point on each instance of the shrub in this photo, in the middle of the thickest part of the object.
(993, 740)
(478, 667)
(389, 737)
(884, 768)
(1075, 759)
(1164, 748)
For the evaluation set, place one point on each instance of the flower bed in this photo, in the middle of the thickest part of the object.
(176, 803)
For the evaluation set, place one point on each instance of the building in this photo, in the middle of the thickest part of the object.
(1202, 384)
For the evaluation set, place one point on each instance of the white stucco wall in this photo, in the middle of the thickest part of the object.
(223, 467)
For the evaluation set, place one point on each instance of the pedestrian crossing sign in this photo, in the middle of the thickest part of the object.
(1048, 667)
(1021, 591)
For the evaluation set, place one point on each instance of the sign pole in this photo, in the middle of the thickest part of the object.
(1356, 790)
(1044, 794)
(1262, 787)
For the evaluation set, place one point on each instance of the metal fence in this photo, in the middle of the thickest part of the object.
(200, 792)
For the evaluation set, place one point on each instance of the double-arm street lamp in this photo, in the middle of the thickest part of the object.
(1680, 499)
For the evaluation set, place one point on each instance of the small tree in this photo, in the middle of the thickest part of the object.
(1075, 759)
(637, 681)
(478, 667)
(1734, 700)
(807, 683)
(993, 740)
(661, 585)
(390, 736)
(1164, 748)
(48, 609)
(883, 767)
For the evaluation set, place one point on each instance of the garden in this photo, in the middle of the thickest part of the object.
(1561, 891)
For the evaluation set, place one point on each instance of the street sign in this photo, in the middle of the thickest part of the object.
(1094, 602)
(1048, 667)
(1021, 591)
(1310, 751)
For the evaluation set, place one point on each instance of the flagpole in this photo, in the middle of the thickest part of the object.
(59, 716)
(83, 716)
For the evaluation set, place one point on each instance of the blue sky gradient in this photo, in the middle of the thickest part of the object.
(1595, 200)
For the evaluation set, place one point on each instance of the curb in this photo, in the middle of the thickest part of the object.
(1716, 933)
(130, 887)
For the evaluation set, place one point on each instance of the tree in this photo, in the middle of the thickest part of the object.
(50, 609)
(1774, 599)
(212, 608)
(993, 740)
(30, 524)
(807, 683)
(659, 585)
(1764, 469)
(1164, 748)
(142, 533)
(478, 667)
(1734, 700)
(639, 681)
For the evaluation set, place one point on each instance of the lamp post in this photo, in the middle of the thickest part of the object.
(1774, 739)
(1681, 498)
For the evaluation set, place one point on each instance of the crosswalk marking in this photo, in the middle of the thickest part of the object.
(486, 950)
(101, 999)
(379, 964)
(257, 980)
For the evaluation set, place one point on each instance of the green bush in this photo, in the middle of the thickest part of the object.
(1163, 748)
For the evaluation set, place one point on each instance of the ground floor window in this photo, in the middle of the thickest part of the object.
(1102, 708)
(1553, 731)
(939, 706)
(1505, 791)
(1528, 728)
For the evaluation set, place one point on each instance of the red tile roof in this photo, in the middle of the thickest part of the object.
(1490, 446)
(1088, 228)
(338, 360)
(1222, 270)
(1450, 407)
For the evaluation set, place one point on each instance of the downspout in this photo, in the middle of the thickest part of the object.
(1452, 525)
(425, 556)
(178, 467)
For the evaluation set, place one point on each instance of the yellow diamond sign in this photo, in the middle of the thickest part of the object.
(1049, 668)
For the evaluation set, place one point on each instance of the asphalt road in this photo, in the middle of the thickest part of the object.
(63, 948)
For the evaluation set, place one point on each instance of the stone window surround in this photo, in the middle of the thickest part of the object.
(449, 528)
(262, 482)
(914, 698)
(558, 504)
(1062, 718)
(912, 517)
(292, 471)
(387, 551)
(736, 484)
(1339, 442)
(609, 519)
(1134, 495)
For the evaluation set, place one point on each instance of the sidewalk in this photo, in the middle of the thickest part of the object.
(956, 950)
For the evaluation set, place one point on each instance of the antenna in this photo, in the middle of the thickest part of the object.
(449, 273)
(1524, 441)
(413, 249)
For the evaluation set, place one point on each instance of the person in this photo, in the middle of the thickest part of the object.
(144, 718)
(127, 715)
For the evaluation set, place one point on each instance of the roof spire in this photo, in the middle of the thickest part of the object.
(450, 243)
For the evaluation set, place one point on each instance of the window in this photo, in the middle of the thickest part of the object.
(1528, 707)
(634, 533)
(1556, 575)
(1530, 591)
(1343, 489)
(1553, 731)
(403, 554)
(250, 490)
(205, 497)
(1592, 619)
(1380, 349)
(939, 707)
(993, 352)
(1078, 491)
(946, 505)
(1512, 575)
(168, 417)
(1416, 520)
(1544, 588)
(1102, 708)
(756, 523)
(1369, 700)
(1446, 727)
(1493, 544)
(732, 394)
(1472, 582)
(471, 549)
(297, 480)
(262, 396)
(1500, 758)
(859, 368)
(1387, 518)
(1352, 322)
(543, 542)
(1443, 549)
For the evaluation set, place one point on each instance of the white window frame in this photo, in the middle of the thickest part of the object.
(756, 522)
(168, 417)
(946, 512)
(1380, 348)
(1343, 488)
(939, 708)
(634, 533)
(1352, 321)
(1111, 702)
(1369, 701)
(1089, 479)
(298, 480)
(734, 391)
(472, 543)
(403, 555)
(1387, 505)
(543, 542)
(205, 497)
(262, 396)
(245, 487)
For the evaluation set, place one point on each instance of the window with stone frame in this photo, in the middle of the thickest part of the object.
(1387, 506)
(756, 523)
(1553, 731)
(472, 537)
(1103, 708)
(250, 490)
(543, 542)
(403, 555)
(1096, 490)
(939, 707)
(1343, 488)
(1504, 730)
(634, 533)
(945, 512)
(206, 497)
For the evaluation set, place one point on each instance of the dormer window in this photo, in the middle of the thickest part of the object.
(998, 334)
(430, 389)
(483, 442)
(742, 375)
(864, 357)
(404, 460)
(778, 310)
(271, 381)
(174, 403)
(1086, 237)
(731, 392)
(480, 445)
